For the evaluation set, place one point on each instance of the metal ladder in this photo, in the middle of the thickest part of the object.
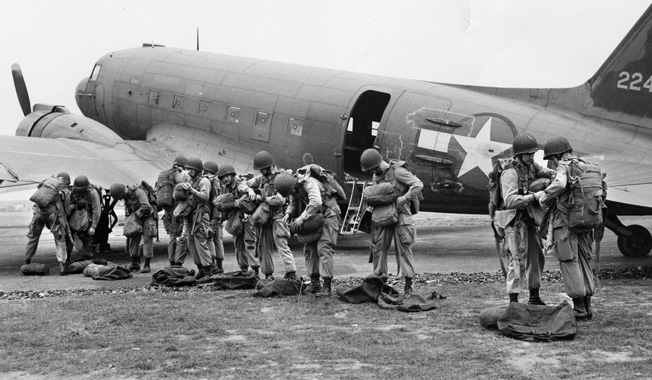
(357, 207)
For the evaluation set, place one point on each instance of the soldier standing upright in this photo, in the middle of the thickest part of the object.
(276, 231)
(245, 242)
(197, 223)
(210, 172)
(516, 215)
(572, 245)
(86, 197)
(137, 202)
(174, 226)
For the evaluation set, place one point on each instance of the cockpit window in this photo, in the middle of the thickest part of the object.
(96, 72)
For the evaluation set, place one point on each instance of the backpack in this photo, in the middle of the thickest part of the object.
(495, 195)
(585, 202)
(151, 193)
(47, 191)
(326, 177)
(164, 188)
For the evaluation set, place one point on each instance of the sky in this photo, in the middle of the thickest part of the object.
(502, 43)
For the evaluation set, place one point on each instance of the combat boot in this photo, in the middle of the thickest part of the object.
(407, 292)
(135, 264)
(28, 261)
(578, 308)
(63, 269)
(587, 306)
(326, 289)
(201, 272)
(513, 297)
(315, 284)
(534, 298)
(212, 269)
(220, 268)
(146, 268)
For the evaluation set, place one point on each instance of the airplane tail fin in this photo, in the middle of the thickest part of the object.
(623, 84)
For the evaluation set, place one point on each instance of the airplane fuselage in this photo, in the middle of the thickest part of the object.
(226, 108)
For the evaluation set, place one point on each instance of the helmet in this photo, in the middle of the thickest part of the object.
(263, 160)
(285, 183)
(194, 163)
(65, 176)
(180, 160)
(370, 159)
(211, 167)
(117, 190)
(524, 143)
(225, 170)
(81, 182)
(556, 145)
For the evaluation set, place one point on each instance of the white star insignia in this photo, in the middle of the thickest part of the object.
(480, 150)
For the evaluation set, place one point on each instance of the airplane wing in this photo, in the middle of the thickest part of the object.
(129, 162)
(33, 159)
(629, 180)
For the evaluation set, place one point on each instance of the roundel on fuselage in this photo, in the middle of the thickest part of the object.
(477, 143)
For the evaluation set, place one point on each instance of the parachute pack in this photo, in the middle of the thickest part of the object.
(586, 202)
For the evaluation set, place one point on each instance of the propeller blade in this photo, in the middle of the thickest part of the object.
(21, 89)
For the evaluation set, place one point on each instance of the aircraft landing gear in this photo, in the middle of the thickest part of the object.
(633, 240)
(639, 244)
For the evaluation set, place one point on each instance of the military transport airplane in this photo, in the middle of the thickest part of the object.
(144, 106)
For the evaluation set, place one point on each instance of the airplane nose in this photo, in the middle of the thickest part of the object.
(82, 96)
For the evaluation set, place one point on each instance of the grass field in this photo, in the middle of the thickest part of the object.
(196, 333)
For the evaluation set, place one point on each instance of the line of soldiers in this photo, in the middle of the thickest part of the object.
(527, 215)
(291, 200)
(72, 216)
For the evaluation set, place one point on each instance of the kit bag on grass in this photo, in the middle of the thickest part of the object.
(537, 323)
(585, 202)
(380, 194)
(79, 221)
(34, 269)
(133, 228)
(47, 191)
(385, 215)
(260, 217)
(234, 225)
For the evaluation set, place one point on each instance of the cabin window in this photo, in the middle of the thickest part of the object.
(95, 73)
(233, 114)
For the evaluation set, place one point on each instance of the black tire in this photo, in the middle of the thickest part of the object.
(637, 245)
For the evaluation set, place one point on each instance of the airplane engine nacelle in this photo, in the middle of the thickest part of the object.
(52, 121)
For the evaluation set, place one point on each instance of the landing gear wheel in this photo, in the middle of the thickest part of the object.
(636, 245)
